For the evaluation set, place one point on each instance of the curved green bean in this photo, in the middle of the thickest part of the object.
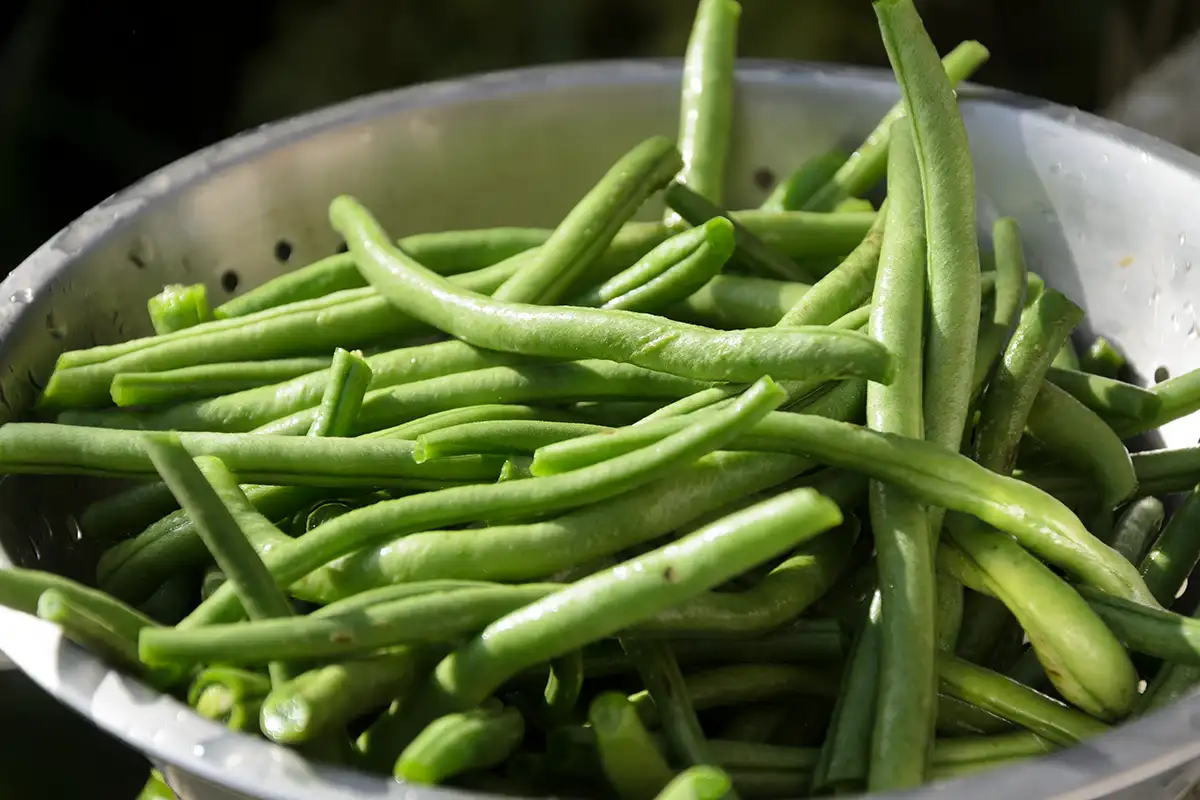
(1010, 700)
(177, 307)
(606, 602)
(328, 697)
(1135, 530)
(1108, 397)
(461, 742)
(669, 273)
(206, 380)
(507, 437)
(627, 337)
(631, 760)
(349, 376)
(739, 301)
(791, 193)
(587, 229)
(1175, 552)
(1178, 397)
(948, 186)
(868, 164)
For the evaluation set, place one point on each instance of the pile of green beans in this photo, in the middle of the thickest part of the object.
(582, 543)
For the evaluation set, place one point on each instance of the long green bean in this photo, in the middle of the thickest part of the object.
(637, 339)
(1111, 398)
(1178, 397)
(667, 701)
(462, 742)
(506, 437)
(1135, 530)
(632, 762)
(206, 380)
(85, 628)
(1011, 279)
(739, 301)
(1176, 552)
(791, 193)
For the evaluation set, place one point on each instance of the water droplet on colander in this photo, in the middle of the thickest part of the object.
(1193, 333)
(1104, 158)
(1055, 168)
(1175, 321)
(1182, 238)
(198, 751)
(21, 296)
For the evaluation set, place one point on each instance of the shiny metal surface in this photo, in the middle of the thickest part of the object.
(1108, 216)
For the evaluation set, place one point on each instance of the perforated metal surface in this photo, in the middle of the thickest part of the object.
(1107, 214)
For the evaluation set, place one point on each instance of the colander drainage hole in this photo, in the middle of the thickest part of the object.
(283, 251)
(1161, 374)
(764, 178)
(229, 281)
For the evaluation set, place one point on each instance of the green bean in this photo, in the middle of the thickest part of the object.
(349, 376)
(713, 398)
(534, 550)
(206, 380)
(396, 591)
(1084, 660)
(669, 273)
(983, 748)
(997, 694)
(929, 472)
(462, 742)
(1166, 471)
(852, 205)
(1175, 553)
(21, 589)
(868, 164)
(492, 412)
(804, 641)
(87, 629)
(1043, 327)
(742, 355)
(739, 301)
(438, 617)
(40, 448)
(550, 382)
(903, 728)
(1108, 397)
(326, 698)
(706, 104)
(213, 579)
(949, 614)
(945, 772)
(845, 756)
(853, 320)
(843, 289)
(177, 307)
(1067, 358)
(506, 437)
(445, 252)
(697, 783)
(1162, 634)
(948, 184)
(173, 600)
(588, 228)
(796, 189)
(632, 762)
(374, 524)
(116, 516)
(960, 718)
(1178, 397)
(735, 684)
(1135, 529)
(667, 700)
(220, 532)
(1011, 279)
(1079, 437)
(1102, 359)
(324, 512)
(750, 252)
(563, 687)
(230, 696)
(606, 602)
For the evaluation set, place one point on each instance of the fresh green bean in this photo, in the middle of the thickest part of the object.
(21, 589)
(1162, 634)
(854, 320)
(948, 186)
(374, 524)
(1102, 359)
(706, 104)
(632, 762)
(445, 252)
(220, 532)
(1011, 279)
(206, 380)
(999, 695)
(534, 550)
(39, 448)
(852, 205)
(177, 307)
(667, 701)
(738, 301)
(589, 227)
(462, 742)
(845, 288)
(1166, 471)
(606, 602)
(1108, 397)
(90, 630)
(970, 749)
(949, 614)
(796, 189)
(349, 376)
(1086, 663)
(563, 687)
(868, 164)
(930, 473)
(1135, 530)
(1175, 553)
(328, 697)
(669, 273)
(959, 718)
(116, 516)
(507, 437)
(1066, 358)
(1074, 433)
(230, 696)
(1178, 397)
(698, 783)
(743, 355)
(845, 758)
(547, 382)
(396, 591)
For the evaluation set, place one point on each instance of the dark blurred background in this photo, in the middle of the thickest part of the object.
(96, 93)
